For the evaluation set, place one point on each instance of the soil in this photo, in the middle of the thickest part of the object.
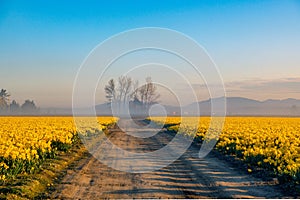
(187, 177)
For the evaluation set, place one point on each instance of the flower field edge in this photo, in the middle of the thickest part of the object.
(269, 143)
(27, 143)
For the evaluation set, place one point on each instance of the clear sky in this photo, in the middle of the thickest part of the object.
(256, 44)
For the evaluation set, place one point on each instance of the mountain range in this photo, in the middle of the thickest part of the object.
(237, 106)
(245, 106)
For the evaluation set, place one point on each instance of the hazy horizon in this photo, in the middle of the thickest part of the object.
(170, 104)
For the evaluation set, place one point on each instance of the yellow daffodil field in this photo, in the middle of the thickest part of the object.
(25, 142)
(262, 142)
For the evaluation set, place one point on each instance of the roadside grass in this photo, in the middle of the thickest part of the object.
(38, 184)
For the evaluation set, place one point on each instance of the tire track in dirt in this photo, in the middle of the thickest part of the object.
(187, 177)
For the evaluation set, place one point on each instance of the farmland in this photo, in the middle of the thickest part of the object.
(27, 141)
(265, 143)
(262, 142)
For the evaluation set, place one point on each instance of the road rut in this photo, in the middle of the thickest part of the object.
(187, 177)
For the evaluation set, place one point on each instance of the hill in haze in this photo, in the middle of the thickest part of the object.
(245, 106)
(234, 106)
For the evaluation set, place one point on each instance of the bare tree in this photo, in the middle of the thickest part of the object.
(142, 93)
(128, 91)
(110, 90)
(120, 88)
(119, 95)
(124, 92)
(135, 90)
(148, 93)
(124, 88)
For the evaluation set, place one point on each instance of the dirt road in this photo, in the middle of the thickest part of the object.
(187, 177)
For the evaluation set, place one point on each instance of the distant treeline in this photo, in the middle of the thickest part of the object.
(13, 107)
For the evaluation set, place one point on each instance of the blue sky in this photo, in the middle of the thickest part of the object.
(43, 43)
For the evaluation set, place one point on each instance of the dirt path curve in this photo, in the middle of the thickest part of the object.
(187, 177)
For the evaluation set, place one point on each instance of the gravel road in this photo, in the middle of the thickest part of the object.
(187, 177)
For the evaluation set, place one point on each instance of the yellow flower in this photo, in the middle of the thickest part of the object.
(29, 138)
(4, 165)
